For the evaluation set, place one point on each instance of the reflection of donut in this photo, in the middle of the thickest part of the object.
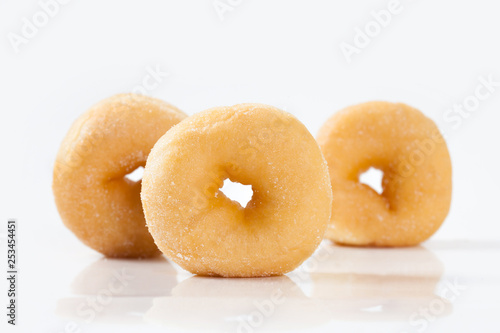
(407, 146)
(407, 261)
(205, 232)
(237, 305)
(378, 284)
(359, 273)
(137, 278)
(199, 286)
(94, 199)
(117, 290)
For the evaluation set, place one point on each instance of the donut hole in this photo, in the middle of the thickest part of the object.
(237, 192)
(373, 178)
(135, 175)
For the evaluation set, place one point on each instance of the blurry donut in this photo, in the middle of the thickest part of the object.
(407, 146)
(94, 198)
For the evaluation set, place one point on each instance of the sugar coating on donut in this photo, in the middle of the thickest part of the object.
(94, 199)
(408, 147)
(205, 232)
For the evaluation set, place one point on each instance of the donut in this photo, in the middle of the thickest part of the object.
(198, 227)
(412, 154)
(94, 198)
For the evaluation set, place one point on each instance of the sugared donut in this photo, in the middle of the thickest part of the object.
(204, 231)
(407, 146)
(95, 200)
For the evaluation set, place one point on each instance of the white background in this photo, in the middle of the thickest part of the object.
(284, 53)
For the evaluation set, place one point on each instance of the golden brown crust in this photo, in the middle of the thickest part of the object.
(202, 230)
(95, 201)
(408, 148)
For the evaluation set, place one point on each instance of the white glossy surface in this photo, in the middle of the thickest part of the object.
(451, 286)
(283, 53)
